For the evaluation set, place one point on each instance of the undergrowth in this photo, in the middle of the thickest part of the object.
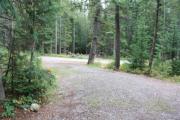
(163, 70)
(27, 84)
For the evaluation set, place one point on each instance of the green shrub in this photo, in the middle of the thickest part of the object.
(24, 102)
(125, 67)
(3, 57)
(128, 68)
(8, 109)
(176, 67)
(175, 78)
(137, 64)
(30, 84)
(29, 80)
(161, 68)
(110, 65)
(139, 51)
(96, 64)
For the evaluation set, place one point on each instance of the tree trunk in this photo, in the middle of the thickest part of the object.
(12, 59)
(174, 43)
(32, 47)
(32, 31)
(56, 33)
(60, 36)
(117, 39)
(96, 25)
(73, 36)
(51, 47)
(2, 93)
(43, 47)
(154, 41)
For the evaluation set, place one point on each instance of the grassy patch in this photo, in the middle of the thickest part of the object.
(96, 64)
(160, 71)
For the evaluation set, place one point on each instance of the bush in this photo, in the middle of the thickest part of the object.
(8, 109)
(24, 102)
(3, 57)
(161, 68)
(30, 84)
(96, 64)
(176, 67)
(29, 80)
(110, 65)
(128, 68)
(137, 64)
(125, 67)
(139, 51)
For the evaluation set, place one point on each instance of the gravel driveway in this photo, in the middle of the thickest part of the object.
(86, 93)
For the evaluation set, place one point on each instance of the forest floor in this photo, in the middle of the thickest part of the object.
(88, 93)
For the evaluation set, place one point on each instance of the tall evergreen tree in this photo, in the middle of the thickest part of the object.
(96, 29)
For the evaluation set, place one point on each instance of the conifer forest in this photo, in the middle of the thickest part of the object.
(89, 59)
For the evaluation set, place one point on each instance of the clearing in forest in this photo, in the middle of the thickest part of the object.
(86, 93)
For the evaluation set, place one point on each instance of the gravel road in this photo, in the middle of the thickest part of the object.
(87, 93)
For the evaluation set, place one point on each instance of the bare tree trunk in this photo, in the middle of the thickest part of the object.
(96, 25)
(12, 61)
(60, 35)
(2, 93)
(56, 32)
(74, 37)
(32, 51)
(117, 39)
(154, 41)
(174, 43)
(51, 47)
(32, 55)
(32, 31)
(33, 44)
(11, 53)
(42, 47)
(10, 50)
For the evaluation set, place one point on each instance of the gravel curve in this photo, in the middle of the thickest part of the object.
(87, 93)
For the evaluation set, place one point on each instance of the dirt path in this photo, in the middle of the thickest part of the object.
(86, 93)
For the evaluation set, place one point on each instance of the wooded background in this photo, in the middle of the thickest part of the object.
(144, 32)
